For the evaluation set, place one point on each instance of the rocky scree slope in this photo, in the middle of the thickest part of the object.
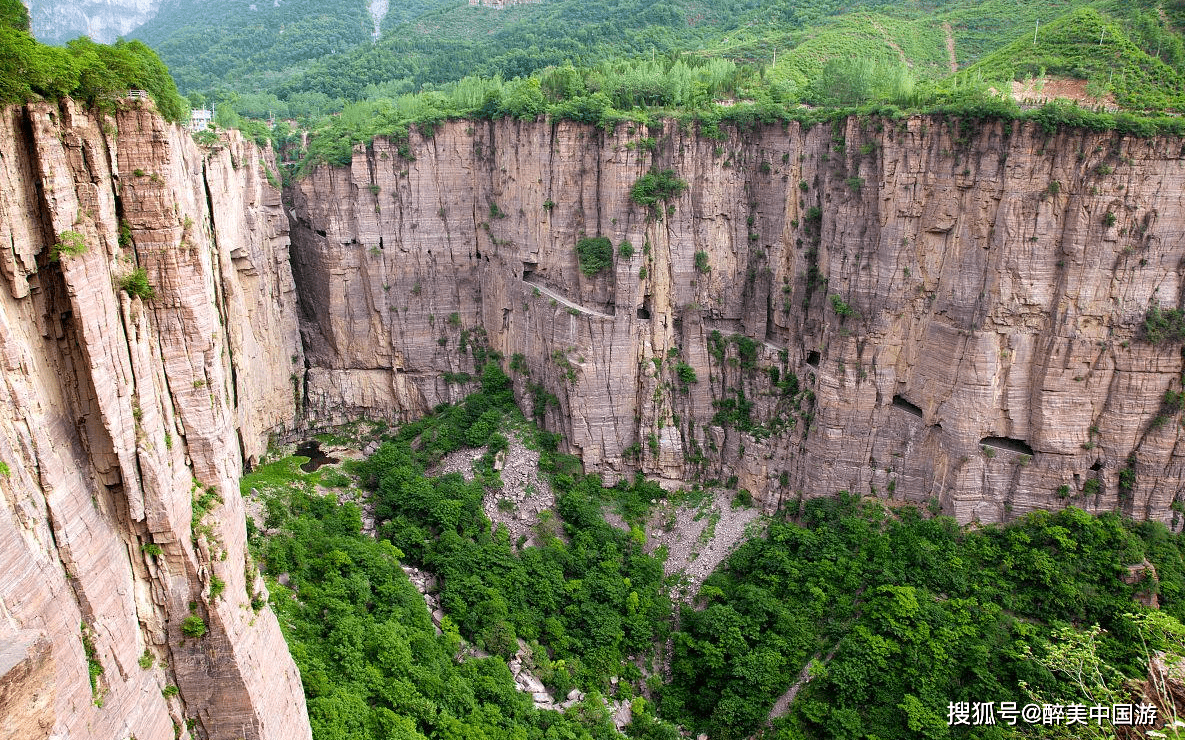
(124, 422)
(920, 309)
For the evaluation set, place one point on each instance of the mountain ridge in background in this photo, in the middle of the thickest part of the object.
(58, 21)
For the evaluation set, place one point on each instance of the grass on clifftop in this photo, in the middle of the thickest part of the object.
(860, 63)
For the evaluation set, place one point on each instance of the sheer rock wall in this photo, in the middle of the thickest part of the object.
(907, 309)
(959, 307)
(116, 413)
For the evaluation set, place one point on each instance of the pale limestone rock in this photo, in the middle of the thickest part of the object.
(114, 406)
(985, 302)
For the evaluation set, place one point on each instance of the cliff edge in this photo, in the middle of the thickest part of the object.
(129, 605)
(925, 310)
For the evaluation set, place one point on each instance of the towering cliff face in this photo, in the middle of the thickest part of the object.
(909, 309)
(58, 21)
(905, 309)
(123, 426)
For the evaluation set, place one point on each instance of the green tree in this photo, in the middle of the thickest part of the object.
(594, 254)
(14, 14)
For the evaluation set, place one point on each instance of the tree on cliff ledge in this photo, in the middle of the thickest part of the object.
(83, 70)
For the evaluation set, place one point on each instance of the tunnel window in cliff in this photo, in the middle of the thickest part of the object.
(909, 408)
(1007, 443)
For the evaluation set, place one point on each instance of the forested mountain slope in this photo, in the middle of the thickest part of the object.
(302, 59)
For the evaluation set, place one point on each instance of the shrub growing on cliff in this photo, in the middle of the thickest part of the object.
(595, 254)
(655, 187)
(136, 284)
(842, 309)
(70, 244)
(1162, 326)
(94, 667)
(193, 626)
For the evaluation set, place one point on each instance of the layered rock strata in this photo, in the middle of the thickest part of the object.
(124, 421)
(920, 310)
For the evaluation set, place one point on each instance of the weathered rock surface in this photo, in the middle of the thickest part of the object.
(957, 310)
(117, 413)
(58, 21)
(903, 309)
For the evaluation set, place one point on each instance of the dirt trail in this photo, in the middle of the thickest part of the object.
(782, 705)
(893, 45)
(950, 47)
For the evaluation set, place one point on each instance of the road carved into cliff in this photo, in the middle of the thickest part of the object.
(552, 294)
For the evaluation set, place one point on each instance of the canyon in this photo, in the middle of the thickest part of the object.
(929, 311)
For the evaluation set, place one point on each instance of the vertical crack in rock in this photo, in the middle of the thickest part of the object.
(94, 378)
(958, 214)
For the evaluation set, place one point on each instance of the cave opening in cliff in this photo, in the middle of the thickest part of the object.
(909, 408)
(644, 309)
(529, 269)
(1007, 443)
(813, 358)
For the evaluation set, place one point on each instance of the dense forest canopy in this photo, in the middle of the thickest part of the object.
(890, 613)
